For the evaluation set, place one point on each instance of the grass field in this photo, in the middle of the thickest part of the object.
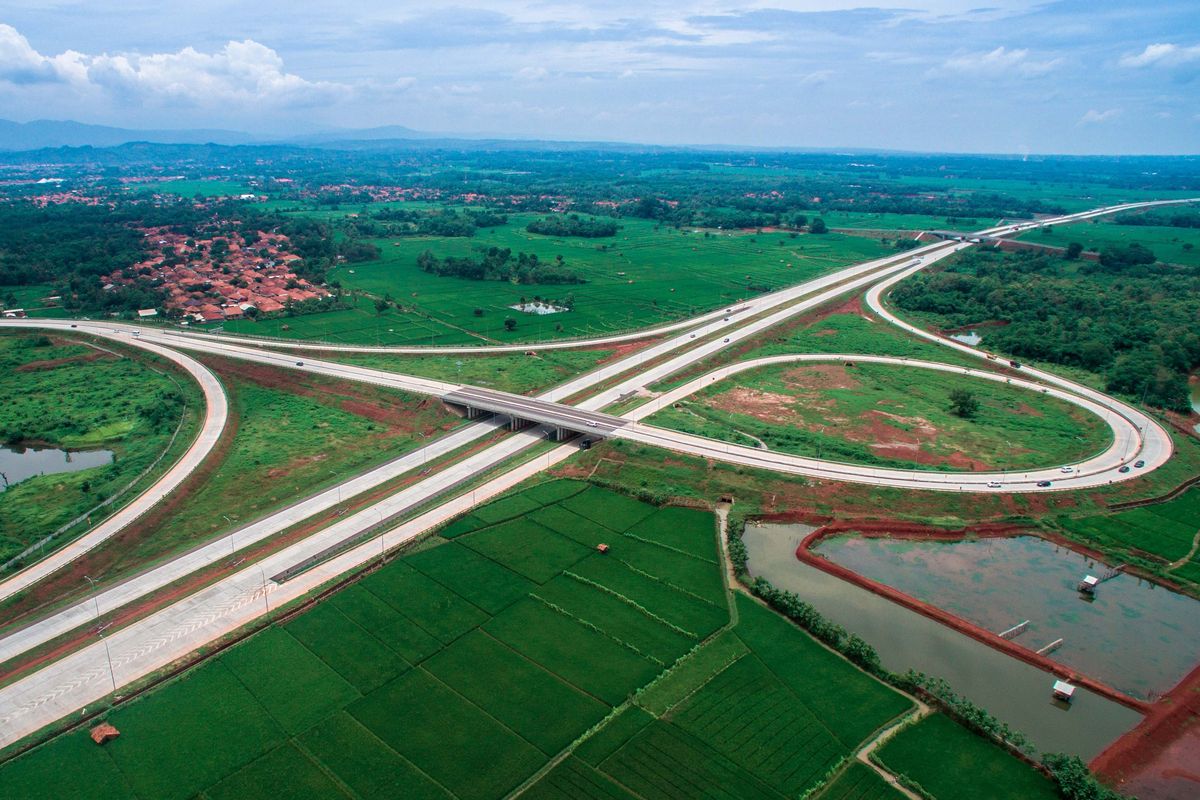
(859, 782)
(508, 372)
(1171, 245)
(881, 414)
(446, 674)
(1166, 530)
(644, 275)
(950, 763)
(61, 394)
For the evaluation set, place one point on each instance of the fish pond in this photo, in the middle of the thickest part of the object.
(1014, 691)
(1132, 634)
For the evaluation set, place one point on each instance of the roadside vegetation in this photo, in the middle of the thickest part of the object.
(66, 394)
(509, 372)
(1129, 321)
(890, 416)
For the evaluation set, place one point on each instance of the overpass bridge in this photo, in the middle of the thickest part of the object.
(522, 411)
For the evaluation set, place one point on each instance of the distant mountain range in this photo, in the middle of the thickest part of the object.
(44, 133)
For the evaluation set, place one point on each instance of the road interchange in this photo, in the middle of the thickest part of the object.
(175, 630)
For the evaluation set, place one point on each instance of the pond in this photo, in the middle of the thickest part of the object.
(1012, 690)
(1133, 635)
(18, 464)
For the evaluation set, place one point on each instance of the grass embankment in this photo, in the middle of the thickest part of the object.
(889, 416)
(65, 394)
(294, 434)
(509, 372)
(644, 275)
(948, 762)
(1169, 243)
(513, 653)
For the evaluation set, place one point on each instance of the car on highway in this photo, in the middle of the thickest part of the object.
(1124, 469)
(299, 363)
(726, 340)
(1067, 470)
(1139, 463)
(693, 336)
(73, 325)
(994, 484)
(593, 424)
(1043, 484)
(1015, 364)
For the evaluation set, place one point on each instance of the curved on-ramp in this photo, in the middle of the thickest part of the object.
(1135, 437)
(215, 417)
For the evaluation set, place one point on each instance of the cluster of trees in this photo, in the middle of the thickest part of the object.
(573, 225)
(498, 264)
(399, 221)
(1136, 327)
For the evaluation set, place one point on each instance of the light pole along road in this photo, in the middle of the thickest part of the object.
(172, 632)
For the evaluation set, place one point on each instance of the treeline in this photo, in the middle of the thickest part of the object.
(1182, 218)
(1134, 323)
(498, 264)
(573, 225)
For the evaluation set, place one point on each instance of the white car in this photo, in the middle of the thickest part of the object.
(593, 424)
(994, 484)
(1067, 470)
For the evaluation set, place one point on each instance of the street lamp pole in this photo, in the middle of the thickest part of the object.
(112, 676)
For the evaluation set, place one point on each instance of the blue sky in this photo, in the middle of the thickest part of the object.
(1015, 76)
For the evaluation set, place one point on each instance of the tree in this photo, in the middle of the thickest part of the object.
(818, 226)
(478, 311)
(381, 305)
(510, 324)
(1075, 781)
(964, 403)
(1073, 251)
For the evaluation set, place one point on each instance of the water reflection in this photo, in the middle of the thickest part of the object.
(1133, 635)
(18, 464)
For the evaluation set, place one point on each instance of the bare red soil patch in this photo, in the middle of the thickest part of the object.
(54, 363)
(1160, 758)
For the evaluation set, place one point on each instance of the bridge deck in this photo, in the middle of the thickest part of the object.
(534, 410)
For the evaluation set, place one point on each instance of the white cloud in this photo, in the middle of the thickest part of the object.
(1094, 117)
(532, 73)
(1162, 54)
(244, 72)
(1000, 61)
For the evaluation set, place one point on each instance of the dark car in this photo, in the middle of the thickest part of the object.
(1139, 464)
(299, 363)
(586, 444)
(1043, 484)
(1124, 468)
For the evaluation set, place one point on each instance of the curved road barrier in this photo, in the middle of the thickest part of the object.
(216, 414)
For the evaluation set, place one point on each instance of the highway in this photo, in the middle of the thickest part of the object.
(139, 649)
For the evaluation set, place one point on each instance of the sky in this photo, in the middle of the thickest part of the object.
(996, 76)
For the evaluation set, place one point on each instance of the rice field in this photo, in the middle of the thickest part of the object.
(464, 670)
